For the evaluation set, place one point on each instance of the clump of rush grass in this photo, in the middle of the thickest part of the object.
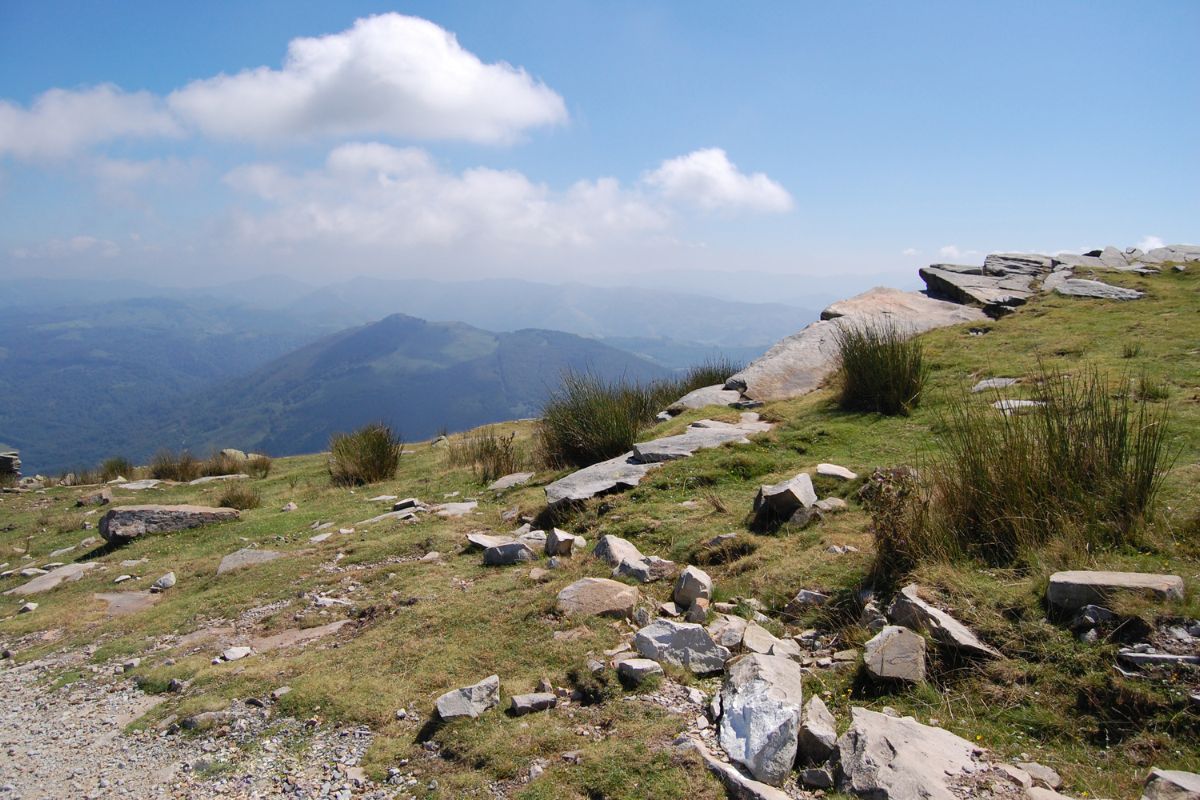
(241, 497)
(1131, 350)
(489, 453)
(1151, 389)
(169, 466)
(221, 463)
(368, 455)
(710, 372)
(257, 466)
(1085, 466)
(881, 369)
(115, 467)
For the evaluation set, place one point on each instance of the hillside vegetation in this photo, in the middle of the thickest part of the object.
(424, 625)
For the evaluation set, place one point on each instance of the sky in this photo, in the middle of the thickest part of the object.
(705, 145)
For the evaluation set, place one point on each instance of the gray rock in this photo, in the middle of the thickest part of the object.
(138, 486)
(1171, 784)
(818, 732)
(1017, 264)
(760, 715)
(784, 499)
(124, 523)
(898, 758)
(804, 600)
(27, 608)
(613, 550)
(1072, 590)
(834, 471)
(561, 543)
(469, 701)
(509, 481)
(100, 498)
(700, 435)
(817, 777)
(738, 785)
(909, 610)
(993, 384)
(1041, 775)
(831, 505)
(995, 294)
(622, 472)
(455, 509)
(896, 653)
(165, 582)
(648, 569)
(1016, 406)
(47, 580)
(507, 554)
(1098, 290)
(598, 597)
(727, 630)
(523, 704)
(693, 583)
(236, 653)
(238, 476)
(683, 644)
(706, 396)
(636, 670)
(478, 540)
(246, 557)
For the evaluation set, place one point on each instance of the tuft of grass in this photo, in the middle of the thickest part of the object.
(1149, 389)
(258, 466)
(368, 455)
(240, 496)
(1131, 350)
(710, 372)
(489, 453)
(169, 466)
(221, 464)
(117, 466)
(881, 369)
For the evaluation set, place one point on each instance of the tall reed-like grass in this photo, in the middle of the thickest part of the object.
(589, 419)
(489, 453)
(368, 455)
(882, 369)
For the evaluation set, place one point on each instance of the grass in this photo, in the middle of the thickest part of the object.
(490, 453)
(1054, 698)
(882, 369)
(169, 466)
(257, 466)
(240, 496)
(368, 455)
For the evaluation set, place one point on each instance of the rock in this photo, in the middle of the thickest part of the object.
(1072, 590)
(613, 550)
(1017, 264)
(206, 720)
(648, 569)
(817, 777)
(238, 476)
(1062, 283)
(784, 499)
(408, 503)
(509, 481)
(236, 455)
(276, 694)
(991, 384)
(760, 715)
(693, 583)
(469, 701)
(506, 554)
(478, 540)
(831, 505)
(100, 498)
(834, 471)
(804, 600)
(246, 557)
(669, 609)
(622, 472)
(138, 486)
(727, 630)
(561, 543)
(235, 653)
(455, 509)
(818, 732)
(636, 670)
(290, 507)
(896, 653)
(683, 644)
(909, 610)
(1171, 784)
(995, 294)
(703, 397)
(124, 523)
(1041, 775)
(165, 582)
(523, 704)
(1016, 406)
(45, 581)
(737, 785)
(598, 597)
(700, 435)
(697, 612)
(27, 608)
(898, 758)
(432, 557)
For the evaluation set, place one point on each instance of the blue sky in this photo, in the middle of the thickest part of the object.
(601, 142)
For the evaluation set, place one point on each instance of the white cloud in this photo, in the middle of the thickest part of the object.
(707, 178)
(387, 75)
(121, 172)
(62, 122)
(909, 251)
(376, 195)
(1149, 243)
(66, 248)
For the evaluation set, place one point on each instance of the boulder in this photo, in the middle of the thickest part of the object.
(995, 294)
(478, 540)
(469, 701)
(236, 455)
(727, 630)
(1017, 264)
(896, 653)
(1171, 784)
(636, 670)
(703, 397)
(507, 554)
(683, 644)
(246, 557)
(51, 579)
(993, 384)
(614, 550)
(804, 600)
(909, 610)
(693, 583)
(165, 582)
(598, 597)
(784, 499)
(1097, 290)
(1041, 775)
(831, 505)
(509, 481)
(818, 732)
(236, 653)
(523, 704)
(622, 472)
(1072, 590)
(648, 569)
(100, 498)
(898, 758)
(760, 715)
(124, 523)
(700, 435)
(834, 471)
(561, 543)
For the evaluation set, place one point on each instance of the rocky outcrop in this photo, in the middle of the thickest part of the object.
(1072, 590)
(760, 715)
(995, 294)
(683, 644)
(129, 522)
(706, 396)
(598, 597)
(469, 701)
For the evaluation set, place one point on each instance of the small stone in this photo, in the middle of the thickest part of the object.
(290, 507)
(236, 653)
(528, 703)
(165, 582)
(470, 701)
(693, 583)
(276, 694)
(27, 608)
(834, 471)
(637, 670)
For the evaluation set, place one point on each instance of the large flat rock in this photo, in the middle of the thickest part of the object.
(698, 436)
(598, 597)
(703, 397)
(128, 522)
(1072, 590)
(683, 644)
(1062, 283)
(622, 472)
(52, 579)
(996, 294)
(909, 610)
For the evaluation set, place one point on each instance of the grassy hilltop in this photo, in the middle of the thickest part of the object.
(422, 628)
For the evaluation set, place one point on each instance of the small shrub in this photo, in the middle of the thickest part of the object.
(167, 466)
(1131, 350)
(489, 454)
(257, 466)
(881, 369)
(222, 464)
(241, 497)
(710, 372)
(115, 467)
(368, 455)
(1152, 390)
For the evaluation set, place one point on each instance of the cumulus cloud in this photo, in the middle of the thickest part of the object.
(372, 194)
(65, 248)
(387, 75)
(708, 179)
(63, 122)
(909, 251)
(1149, 243)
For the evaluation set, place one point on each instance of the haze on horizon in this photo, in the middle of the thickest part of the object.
(654, 144)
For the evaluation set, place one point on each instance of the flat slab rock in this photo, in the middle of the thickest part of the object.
(996, 294)
(683, 644)
(119, 604)
(598, 597)
(616, 474)
(896, 653)
(1171, 784)
(704, 397)
(128, 522)
(800, 363)
(1062, 283)
(738, 785)
(700, 435)
(909, 610)
(509, 481)
(470, 701)
(52, 579)
(1072, 590)
(246, 557)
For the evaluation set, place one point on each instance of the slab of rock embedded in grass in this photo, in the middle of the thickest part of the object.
(598, 597)
(246, 557)
(507, 554)
(295, 636)
(469, 701)
(622, 472)
(1062, 283)
(703, 397)
(51, 579)
(683, 644)
(561, 543)
(760, 715)
(909, 610)
(896, 653)
(784, 499)
(118, 604)
(124, 523)
(700, 435)
(1072, 590)
(509, 481)
(992, 384)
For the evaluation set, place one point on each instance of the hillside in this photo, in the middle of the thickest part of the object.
(366, 621)
(420, 377)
